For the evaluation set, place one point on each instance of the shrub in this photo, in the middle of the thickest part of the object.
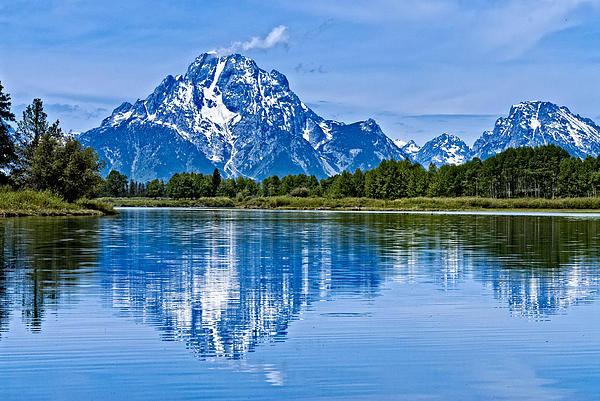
(300, 192)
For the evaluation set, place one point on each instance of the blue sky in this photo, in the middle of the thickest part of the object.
(418, 67)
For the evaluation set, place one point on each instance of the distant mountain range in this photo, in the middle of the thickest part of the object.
(227, 113)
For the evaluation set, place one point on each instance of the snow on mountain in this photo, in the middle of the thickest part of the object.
(411, 149)
(444, 149)
(226, 112)
(540, 123)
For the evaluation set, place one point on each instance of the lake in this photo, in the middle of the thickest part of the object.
(243, 304)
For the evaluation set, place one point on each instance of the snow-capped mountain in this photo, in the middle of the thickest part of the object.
(226, 112)
(444, 149)
(410, 148)
(540, 123)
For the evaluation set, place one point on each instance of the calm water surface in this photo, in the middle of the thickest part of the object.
(225, 304)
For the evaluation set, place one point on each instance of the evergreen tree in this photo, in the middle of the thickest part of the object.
(227, 188)
(29, 131)
(216, 180)
(7, 148)
(33, 125)
(55, 131)
(270, 186)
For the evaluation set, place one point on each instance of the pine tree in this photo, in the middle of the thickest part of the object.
(216, 180)
(29, 132)
(7, 149)
(55, 131)
(33, 125)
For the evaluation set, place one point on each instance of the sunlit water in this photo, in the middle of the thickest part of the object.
(225, 304)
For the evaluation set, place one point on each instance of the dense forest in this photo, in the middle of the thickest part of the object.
(542, 172)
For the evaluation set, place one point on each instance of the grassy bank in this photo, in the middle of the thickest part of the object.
(406, 204)
(43, 203)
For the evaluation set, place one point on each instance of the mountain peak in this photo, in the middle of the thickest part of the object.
(443, 149)
(445, 137)
(410, 148)
(537, 123)
(228, 113)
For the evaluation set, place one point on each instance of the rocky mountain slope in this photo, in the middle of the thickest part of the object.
(444, 149)
(527, 124)
(226, 112)
(540, 123)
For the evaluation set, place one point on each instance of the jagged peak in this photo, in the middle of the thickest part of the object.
(410, 147)
(446, 137)
(207, 63)
(122, 107)
(280, 79)
(370, 124)
(536, 105)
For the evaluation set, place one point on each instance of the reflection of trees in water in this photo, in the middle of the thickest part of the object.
(551, 263)
(226, 281)
(225, 284)
(41, 260)
(5, 304)
(539, 265)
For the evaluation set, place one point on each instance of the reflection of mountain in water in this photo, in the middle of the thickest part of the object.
(225, 281)
(539, 265)
(222, 282)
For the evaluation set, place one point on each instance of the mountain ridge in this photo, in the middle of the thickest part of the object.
(225, 112)
(529, 123)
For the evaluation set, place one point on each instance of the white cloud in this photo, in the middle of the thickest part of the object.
(278, 35)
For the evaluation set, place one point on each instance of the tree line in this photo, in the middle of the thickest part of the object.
(40, 156)
(540, 172)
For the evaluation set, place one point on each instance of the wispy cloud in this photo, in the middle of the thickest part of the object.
(62, 110)
(518, 25)
(309, 68)
(278, 36)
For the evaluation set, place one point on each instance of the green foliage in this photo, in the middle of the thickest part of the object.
(156, 188)
(271, 186)
(32, 127)
(291, 182)
(396, 179)
(190, 186)
(216, 181)
(65, 167)
(115, 184)
(27, 202)
(95, 204)
(404, 204)
(7, 147)
(542, 172)
(300, 192)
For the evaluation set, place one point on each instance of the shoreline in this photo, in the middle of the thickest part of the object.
(31, 204)
(573, 205)
(28, 203)
(53, 213)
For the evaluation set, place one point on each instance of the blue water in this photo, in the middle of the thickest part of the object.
(225, 304)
